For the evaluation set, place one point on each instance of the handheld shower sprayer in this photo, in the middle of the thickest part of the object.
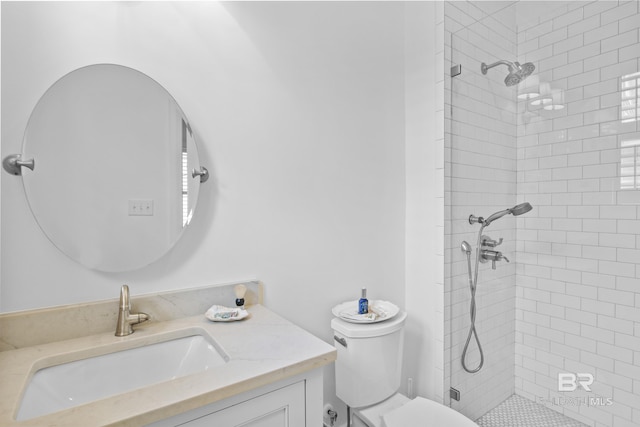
(486, 254)
(520, 209)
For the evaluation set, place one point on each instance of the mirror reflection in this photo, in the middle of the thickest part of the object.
(116, 178)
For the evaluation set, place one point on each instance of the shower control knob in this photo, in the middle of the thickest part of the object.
(493, 256)
(488, 241)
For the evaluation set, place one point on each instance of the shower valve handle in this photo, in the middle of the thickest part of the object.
(493, 256)
(493, 263)
(487, 241)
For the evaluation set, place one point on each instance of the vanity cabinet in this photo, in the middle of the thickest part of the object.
(295, 402)
(279, 408)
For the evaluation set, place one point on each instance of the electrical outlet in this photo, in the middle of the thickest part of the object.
(140, 207)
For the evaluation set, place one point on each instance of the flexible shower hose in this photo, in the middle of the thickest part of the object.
(473, 281)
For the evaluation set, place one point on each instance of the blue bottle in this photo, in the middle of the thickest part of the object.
(363, 303)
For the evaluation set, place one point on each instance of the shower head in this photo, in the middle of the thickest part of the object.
(523, 71)
(520, 209)
(516, 210)
(517, 72)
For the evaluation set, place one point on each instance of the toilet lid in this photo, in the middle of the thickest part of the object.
(421, 409)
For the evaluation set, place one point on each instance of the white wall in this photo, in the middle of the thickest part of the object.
(424, 91)
(298, 109)
(424, 104)
(3, 153)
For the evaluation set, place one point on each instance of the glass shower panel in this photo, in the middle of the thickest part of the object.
(559, 325)
(481, 180)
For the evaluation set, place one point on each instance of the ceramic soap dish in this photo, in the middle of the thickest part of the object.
(220, 313)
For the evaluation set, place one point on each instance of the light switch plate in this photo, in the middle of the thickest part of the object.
(140, 207)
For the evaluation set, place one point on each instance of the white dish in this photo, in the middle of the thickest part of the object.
(379, 311)
(220, 313)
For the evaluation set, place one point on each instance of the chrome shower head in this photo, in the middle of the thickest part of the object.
(517, 72)
(520, 73)
(520, 209)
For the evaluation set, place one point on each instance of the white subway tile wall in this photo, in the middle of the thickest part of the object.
(480, 178)
(571, 302)
(578, 253)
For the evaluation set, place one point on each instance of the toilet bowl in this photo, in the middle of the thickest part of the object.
(368, 370)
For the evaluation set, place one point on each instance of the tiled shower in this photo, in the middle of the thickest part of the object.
(567, 140)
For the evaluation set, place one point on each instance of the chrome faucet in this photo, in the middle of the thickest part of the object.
(125, 318)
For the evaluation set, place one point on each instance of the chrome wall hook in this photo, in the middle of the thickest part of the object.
(203, 173)
(13, 164)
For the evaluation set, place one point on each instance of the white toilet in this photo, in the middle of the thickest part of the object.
(368, 371)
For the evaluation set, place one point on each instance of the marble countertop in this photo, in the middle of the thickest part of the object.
(262, 349)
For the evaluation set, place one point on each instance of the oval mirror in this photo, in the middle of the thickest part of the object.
(116, 178)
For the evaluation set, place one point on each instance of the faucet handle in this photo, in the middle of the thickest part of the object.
(489, 242)
(498, 257)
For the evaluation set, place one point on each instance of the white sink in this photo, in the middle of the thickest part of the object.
(71, 384)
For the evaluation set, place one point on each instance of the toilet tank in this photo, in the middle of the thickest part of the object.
(369, 362)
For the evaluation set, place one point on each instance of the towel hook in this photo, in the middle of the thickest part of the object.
(13, 164)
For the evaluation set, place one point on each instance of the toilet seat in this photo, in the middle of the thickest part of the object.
(425, 410)
(372, 415)
(400, 411)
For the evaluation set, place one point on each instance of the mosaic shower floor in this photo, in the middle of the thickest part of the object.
(518, 411)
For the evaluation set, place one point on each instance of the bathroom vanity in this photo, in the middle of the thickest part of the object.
(269, 371)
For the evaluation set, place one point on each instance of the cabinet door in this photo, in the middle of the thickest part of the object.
(284, 407)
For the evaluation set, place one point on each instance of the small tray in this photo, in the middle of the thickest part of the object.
(379, 311)
(220, 313)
